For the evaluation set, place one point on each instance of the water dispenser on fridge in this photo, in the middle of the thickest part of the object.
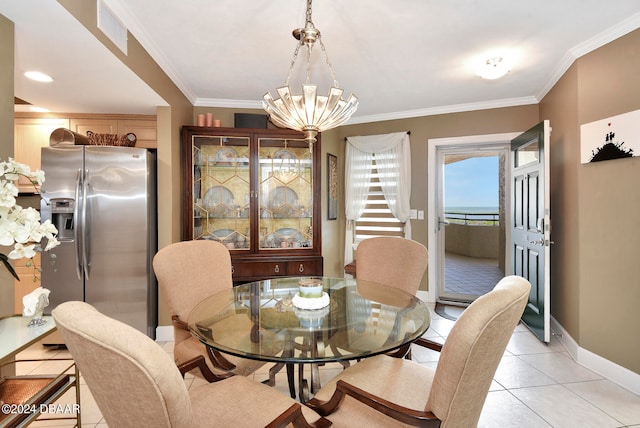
(62, 217)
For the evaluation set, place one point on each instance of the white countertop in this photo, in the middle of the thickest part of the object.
(15, 336)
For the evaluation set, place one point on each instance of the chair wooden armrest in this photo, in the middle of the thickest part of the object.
(293, 415)
(179, 323)
(412, 417)
(199, 363)
(216, 358)
(426, 343)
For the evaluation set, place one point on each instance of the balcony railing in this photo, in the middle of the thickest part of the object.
(473, 218)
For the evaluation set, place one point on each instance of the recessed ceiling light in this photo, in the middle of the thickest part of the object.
(38, 76)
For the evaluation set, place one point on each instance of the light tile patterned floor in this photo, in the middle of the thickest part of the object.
(536, 385)
(470, 275)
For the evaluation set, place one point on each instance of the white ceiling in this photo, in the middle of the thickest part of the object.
(401, 58)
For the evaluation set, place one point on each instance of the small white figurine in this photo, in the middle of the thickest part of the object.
(34, 304)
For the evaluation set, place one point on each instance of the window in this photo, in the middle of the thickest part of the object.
(377, 189)
(377, 219)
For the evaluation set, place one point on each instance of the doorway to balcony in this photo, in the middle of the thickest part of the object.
(469, 188)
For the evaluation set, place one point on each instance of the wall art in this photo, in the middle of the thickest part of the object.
(613, 138)
(332, 187)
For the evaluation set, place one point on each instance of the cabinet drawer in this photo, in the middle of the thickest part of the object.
(259, 269)
(304, 268)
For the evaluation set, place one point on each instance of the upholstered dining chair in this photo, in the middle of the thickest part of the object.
(135, 383)
(386, 391)
(188, 272)
(395, 262)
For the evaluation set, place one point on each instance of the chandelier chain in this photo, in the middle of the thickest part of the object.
(293, 63)
(326, 58)
(309, 11)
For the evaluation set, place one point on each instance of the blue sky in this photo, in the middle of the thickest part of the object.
(471, 183)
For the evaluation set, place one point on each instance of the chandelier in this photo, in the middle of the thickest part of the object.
(309, 112)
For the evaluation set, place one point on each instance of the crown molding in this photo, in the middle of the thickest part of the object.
(432, 111)
(149, 45)
(133, 25)
(219, 102)
(628, 25)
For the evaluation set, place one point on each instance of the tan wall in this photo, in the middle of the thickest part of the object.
(473, 241)
(609, 203)
(170, 120)
(595, 225)
(560, 106)
(492, 121)
(6, 136)
(595, 254)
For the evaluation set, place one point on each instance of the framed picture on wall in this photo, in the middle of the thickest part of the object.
(332, 187)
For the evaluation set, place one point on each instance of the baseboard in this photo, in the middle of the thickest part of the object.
(610, 370)
(164, 333)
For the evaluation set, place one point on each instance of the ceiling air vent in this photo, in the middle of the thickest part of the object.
(111, 26)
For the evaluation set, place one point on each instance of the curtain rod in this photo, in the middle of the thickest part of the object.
(408, 133)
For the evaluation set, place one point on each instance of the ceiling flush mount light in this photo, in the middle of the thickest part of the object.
(38, 76)
(309, 112)
(493, 68)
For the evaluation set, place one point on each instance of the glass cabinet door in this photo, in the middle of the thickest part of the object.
(221, 190)
(285, 194)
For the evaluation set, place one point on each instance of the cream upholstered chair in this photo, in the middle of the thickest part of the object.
(385, 391)
(135, 383)
(393, 261)
(188, 272)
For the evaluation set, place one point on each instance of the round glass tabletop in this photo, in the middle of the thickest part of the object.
(270, 321)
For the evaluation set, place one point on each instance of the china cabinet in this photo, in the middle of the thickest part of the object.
(258, 192)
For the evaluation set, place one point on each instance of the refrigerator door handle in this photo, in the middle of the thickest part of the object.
(85, 227)
(76, 232)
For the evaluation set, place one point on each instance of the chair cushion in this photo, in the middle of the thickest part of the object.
(385, 377)
(239, 402)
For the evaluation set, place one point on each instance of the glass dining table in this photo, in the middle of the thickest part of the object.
(269, 321)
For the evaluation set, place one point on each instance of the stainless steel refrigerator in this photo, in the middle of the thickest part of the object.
(102, 199)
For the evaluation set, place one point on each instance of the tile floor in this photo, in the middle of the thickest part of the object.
(536, 385)
(470, 275)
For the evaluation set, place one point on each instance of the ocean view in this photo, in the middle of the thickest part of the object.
(475, 210)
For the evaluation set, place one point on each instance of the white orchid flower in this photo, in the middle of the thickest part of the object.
(23, 251)
(20, 227)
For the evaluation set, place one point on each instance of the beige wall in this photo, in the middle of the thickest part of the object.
(170, 120)
(560, 106)
(6, 136)
(492, 121)
(473, 240)
(594, 207)
(604, 291)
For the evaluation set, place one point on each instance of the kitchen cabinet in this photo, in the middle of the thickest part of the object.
(99, 126)
(32, 132)
(258, 192)
(144, 128)
(30, 135)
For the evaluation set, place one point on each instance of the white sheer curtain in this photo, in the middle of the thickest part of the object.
(393, 161)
